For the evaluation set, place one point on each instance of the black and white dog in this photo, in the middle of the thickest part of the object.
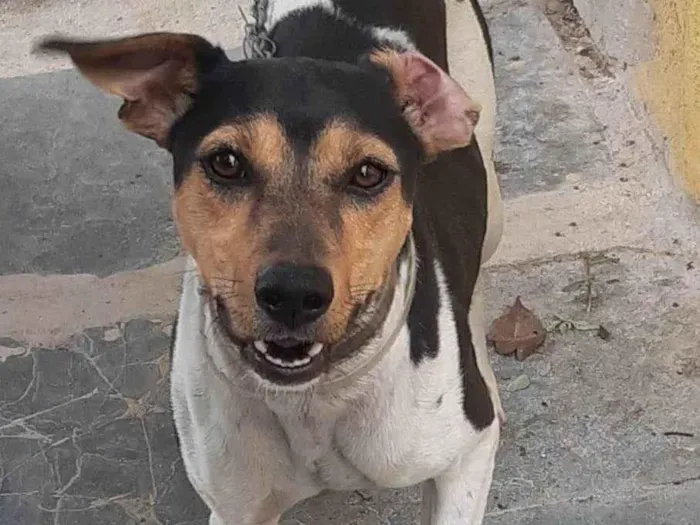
(336, 207)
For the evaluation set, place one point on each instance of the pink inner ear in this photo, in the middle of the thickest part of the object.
(139, 83)
(439, 109)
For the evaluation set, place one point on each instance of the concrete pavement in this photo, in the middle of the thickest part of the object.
(607, 430)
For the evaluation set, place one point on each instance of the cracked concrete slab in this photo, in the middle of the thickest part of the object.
(607, 430)
(86, 434)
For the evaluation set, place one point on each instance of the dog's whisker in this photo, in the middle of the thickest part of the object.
(225, 280)
(185, 271)
(228, 294)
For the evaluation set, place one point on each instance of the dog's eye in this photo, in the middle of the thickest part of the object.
(368, 177)
(227, 166)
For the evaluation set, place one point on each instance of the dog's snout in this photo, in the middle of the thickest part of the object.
(294, 295)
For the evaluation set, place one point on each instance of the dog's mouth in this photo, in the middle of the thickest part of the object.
(286, 361)
(296, 359)
(287, 354)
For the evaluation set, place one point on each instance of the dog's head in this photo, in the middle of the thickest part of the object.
(294, 178)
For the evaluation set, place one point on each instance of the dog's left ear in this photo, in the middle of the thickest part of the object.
(156, 74)
(440, 112)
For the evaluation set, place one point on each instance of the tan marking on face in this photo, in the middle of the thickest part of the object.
(341, 146)
(392, 61)
(261, 140)
(362, 255)
(217, 230)
(231, 248)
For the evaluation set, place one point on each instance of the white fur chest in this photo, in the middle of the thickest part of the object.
(401, 425)
(397, 425)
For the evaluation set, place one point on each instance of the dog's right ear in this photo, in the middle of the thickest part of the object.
(156, 74)
(440, 112)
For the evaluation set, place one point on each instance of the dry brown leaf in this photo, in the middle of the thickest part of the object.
(517, 331)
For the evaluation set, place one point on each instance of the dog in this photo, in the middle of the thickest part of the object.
(337, 202)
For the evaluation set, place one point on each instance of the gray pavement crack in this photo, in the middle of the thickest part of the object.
(29, 417)
(677, 482)
(154, 488)
(97, 369)
(18, 494)
(5, 475)
(61, 493)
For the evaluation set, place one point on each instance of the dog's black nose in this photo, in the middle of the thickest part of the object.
(294, 295)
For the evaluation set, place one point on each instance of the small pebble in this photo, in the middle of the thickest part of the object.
(112, 335)
(603, 333)
(11, 351)
(545, 370)
(519, 383)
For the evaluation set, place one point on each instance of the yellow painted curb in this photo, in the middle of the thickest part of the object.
(670, 85)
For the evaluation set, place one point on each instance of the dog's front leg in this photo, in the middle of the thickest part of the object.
(459, 496)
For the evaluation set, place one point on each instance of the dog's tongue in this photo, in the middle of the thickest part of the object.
(288, 349)
(286, 343)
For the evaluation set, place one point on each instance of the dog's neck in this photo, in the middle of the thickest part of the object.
(374, 336)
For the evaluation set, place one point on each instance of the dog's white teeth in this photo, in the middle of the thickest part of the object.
(315, 350)
(301, 362)
(262, 348)
(288, 364)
